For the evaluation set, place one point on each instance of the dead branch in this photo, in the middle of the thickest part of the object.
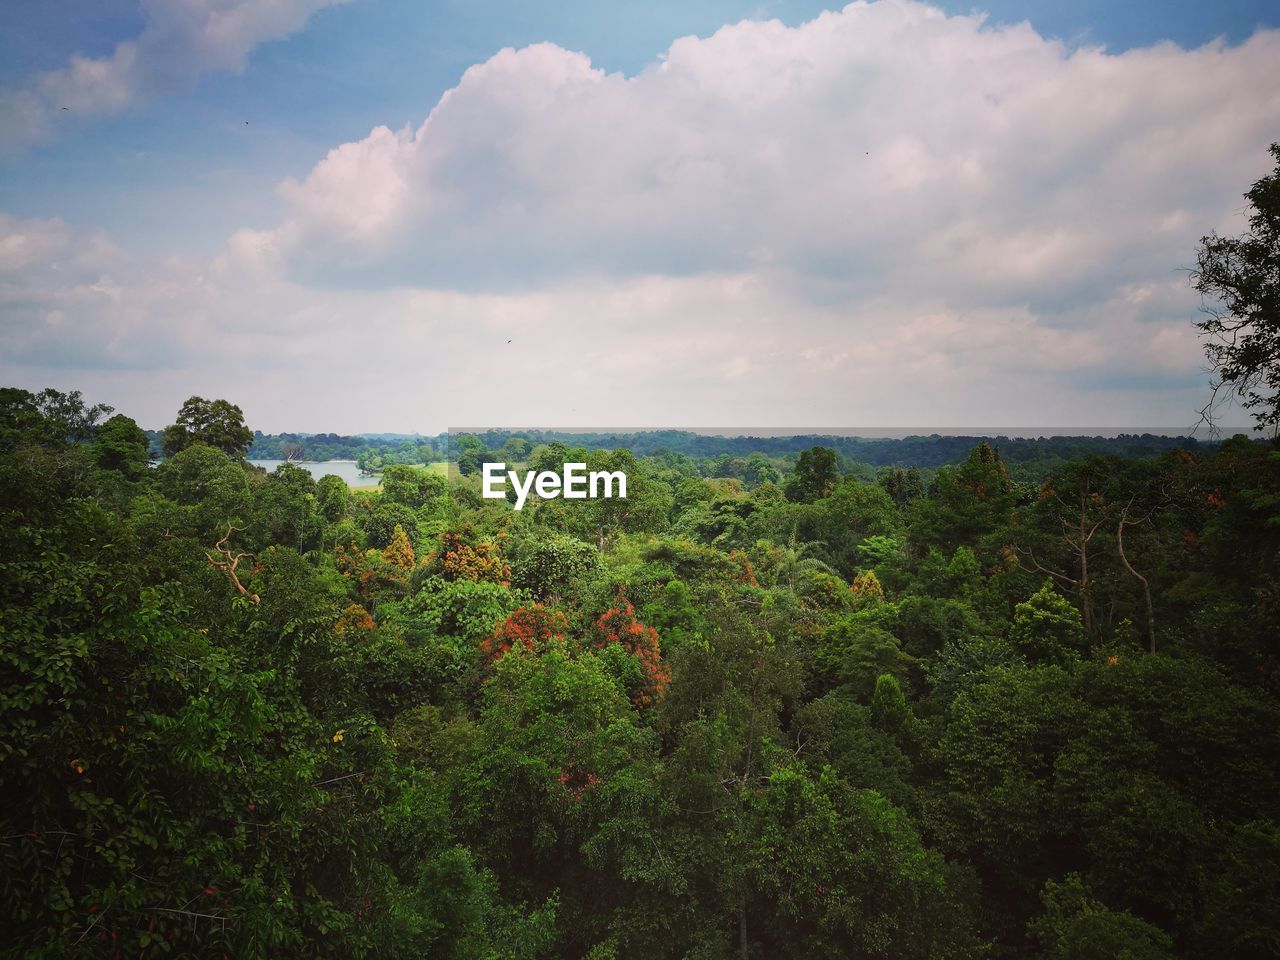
(189, 913)
(324, 783)
(89, 929)
(1036, 563)
(1146, 587)
(230, 562)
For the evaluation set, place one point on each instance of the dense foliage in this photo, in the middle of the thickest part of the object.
(887, 714)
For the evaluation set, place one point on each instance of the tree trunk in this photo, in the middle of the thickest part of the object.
(1084, 574)
(1146, 587)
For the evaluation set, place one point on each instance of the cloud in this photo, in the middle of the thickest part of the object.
(884, 145)
(885, 216)
(823, 359)
(182, 41)
(643, 350)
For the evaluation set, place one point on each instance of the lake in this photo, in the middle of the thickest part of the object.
(346, 469)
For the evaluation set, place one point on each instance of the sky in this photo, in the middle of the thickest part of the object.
(402, 215)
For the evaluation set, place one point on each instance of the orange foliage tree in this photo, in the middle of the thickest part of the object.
(576, 781)
(480, 561)
(377, 575)
(746, 572)
(355, 619)
(527, 627)
(399, 552)
(867, 586)
(619, 625)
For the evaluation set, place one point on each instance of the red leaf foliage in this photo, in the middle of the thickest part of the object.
(528, 627)
(618, 624)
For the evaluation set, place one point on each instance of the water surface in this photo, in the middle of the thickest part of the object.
(346, 469)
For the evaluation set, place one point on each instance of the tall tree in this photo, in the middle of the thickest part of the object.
(903, 484)
(1239, 277)
(1047, 629)
(815, 475)
(967, 503)
(49, 416)
(469, 451)
(68, 416)
(122, 445)
(411, 486)
(217, 423)
(1069, 511)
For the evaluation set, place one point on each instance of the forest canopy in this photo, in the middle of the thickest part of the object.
(806, 705)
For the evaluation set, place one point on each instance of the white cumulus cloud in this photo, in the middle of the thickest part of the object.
(886, 145)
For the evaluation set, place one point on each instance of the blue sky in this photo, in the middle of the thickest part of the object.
(154, 195)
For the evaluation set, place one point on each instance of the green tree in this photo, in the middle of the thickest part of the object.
(380, 523)
(217, 423)
(967, 504)
(333, 498)
(842, 872)
(369, 461)
(967, 659)
(1243, 883)
(1047, 628)
(67, 415)
(469, 452)
(878, 549)
(515, 450)
(20, 419)
(122, 445)
(815, 475)
(994, 801)
(855, 654)
(849, 513)
(889, 709)
(49, 416)
(759, 469)
(903, 484)
(552, 565)
(1076, 926)
(1070, 519)
(144, 751)
(559, 785)
(285, 509)
(644, 509)
(411, 486)
(216, 490)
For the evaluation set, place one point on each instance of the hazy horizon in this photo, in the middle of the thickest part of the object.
(870, 433)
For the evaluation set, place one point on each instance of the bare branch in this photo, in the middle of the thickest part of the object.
(229, 562)
(1146, 586)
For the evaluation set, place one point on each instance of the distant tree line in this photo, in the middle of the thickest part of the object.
(919, 451)
(753, 460)
(756, 460)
